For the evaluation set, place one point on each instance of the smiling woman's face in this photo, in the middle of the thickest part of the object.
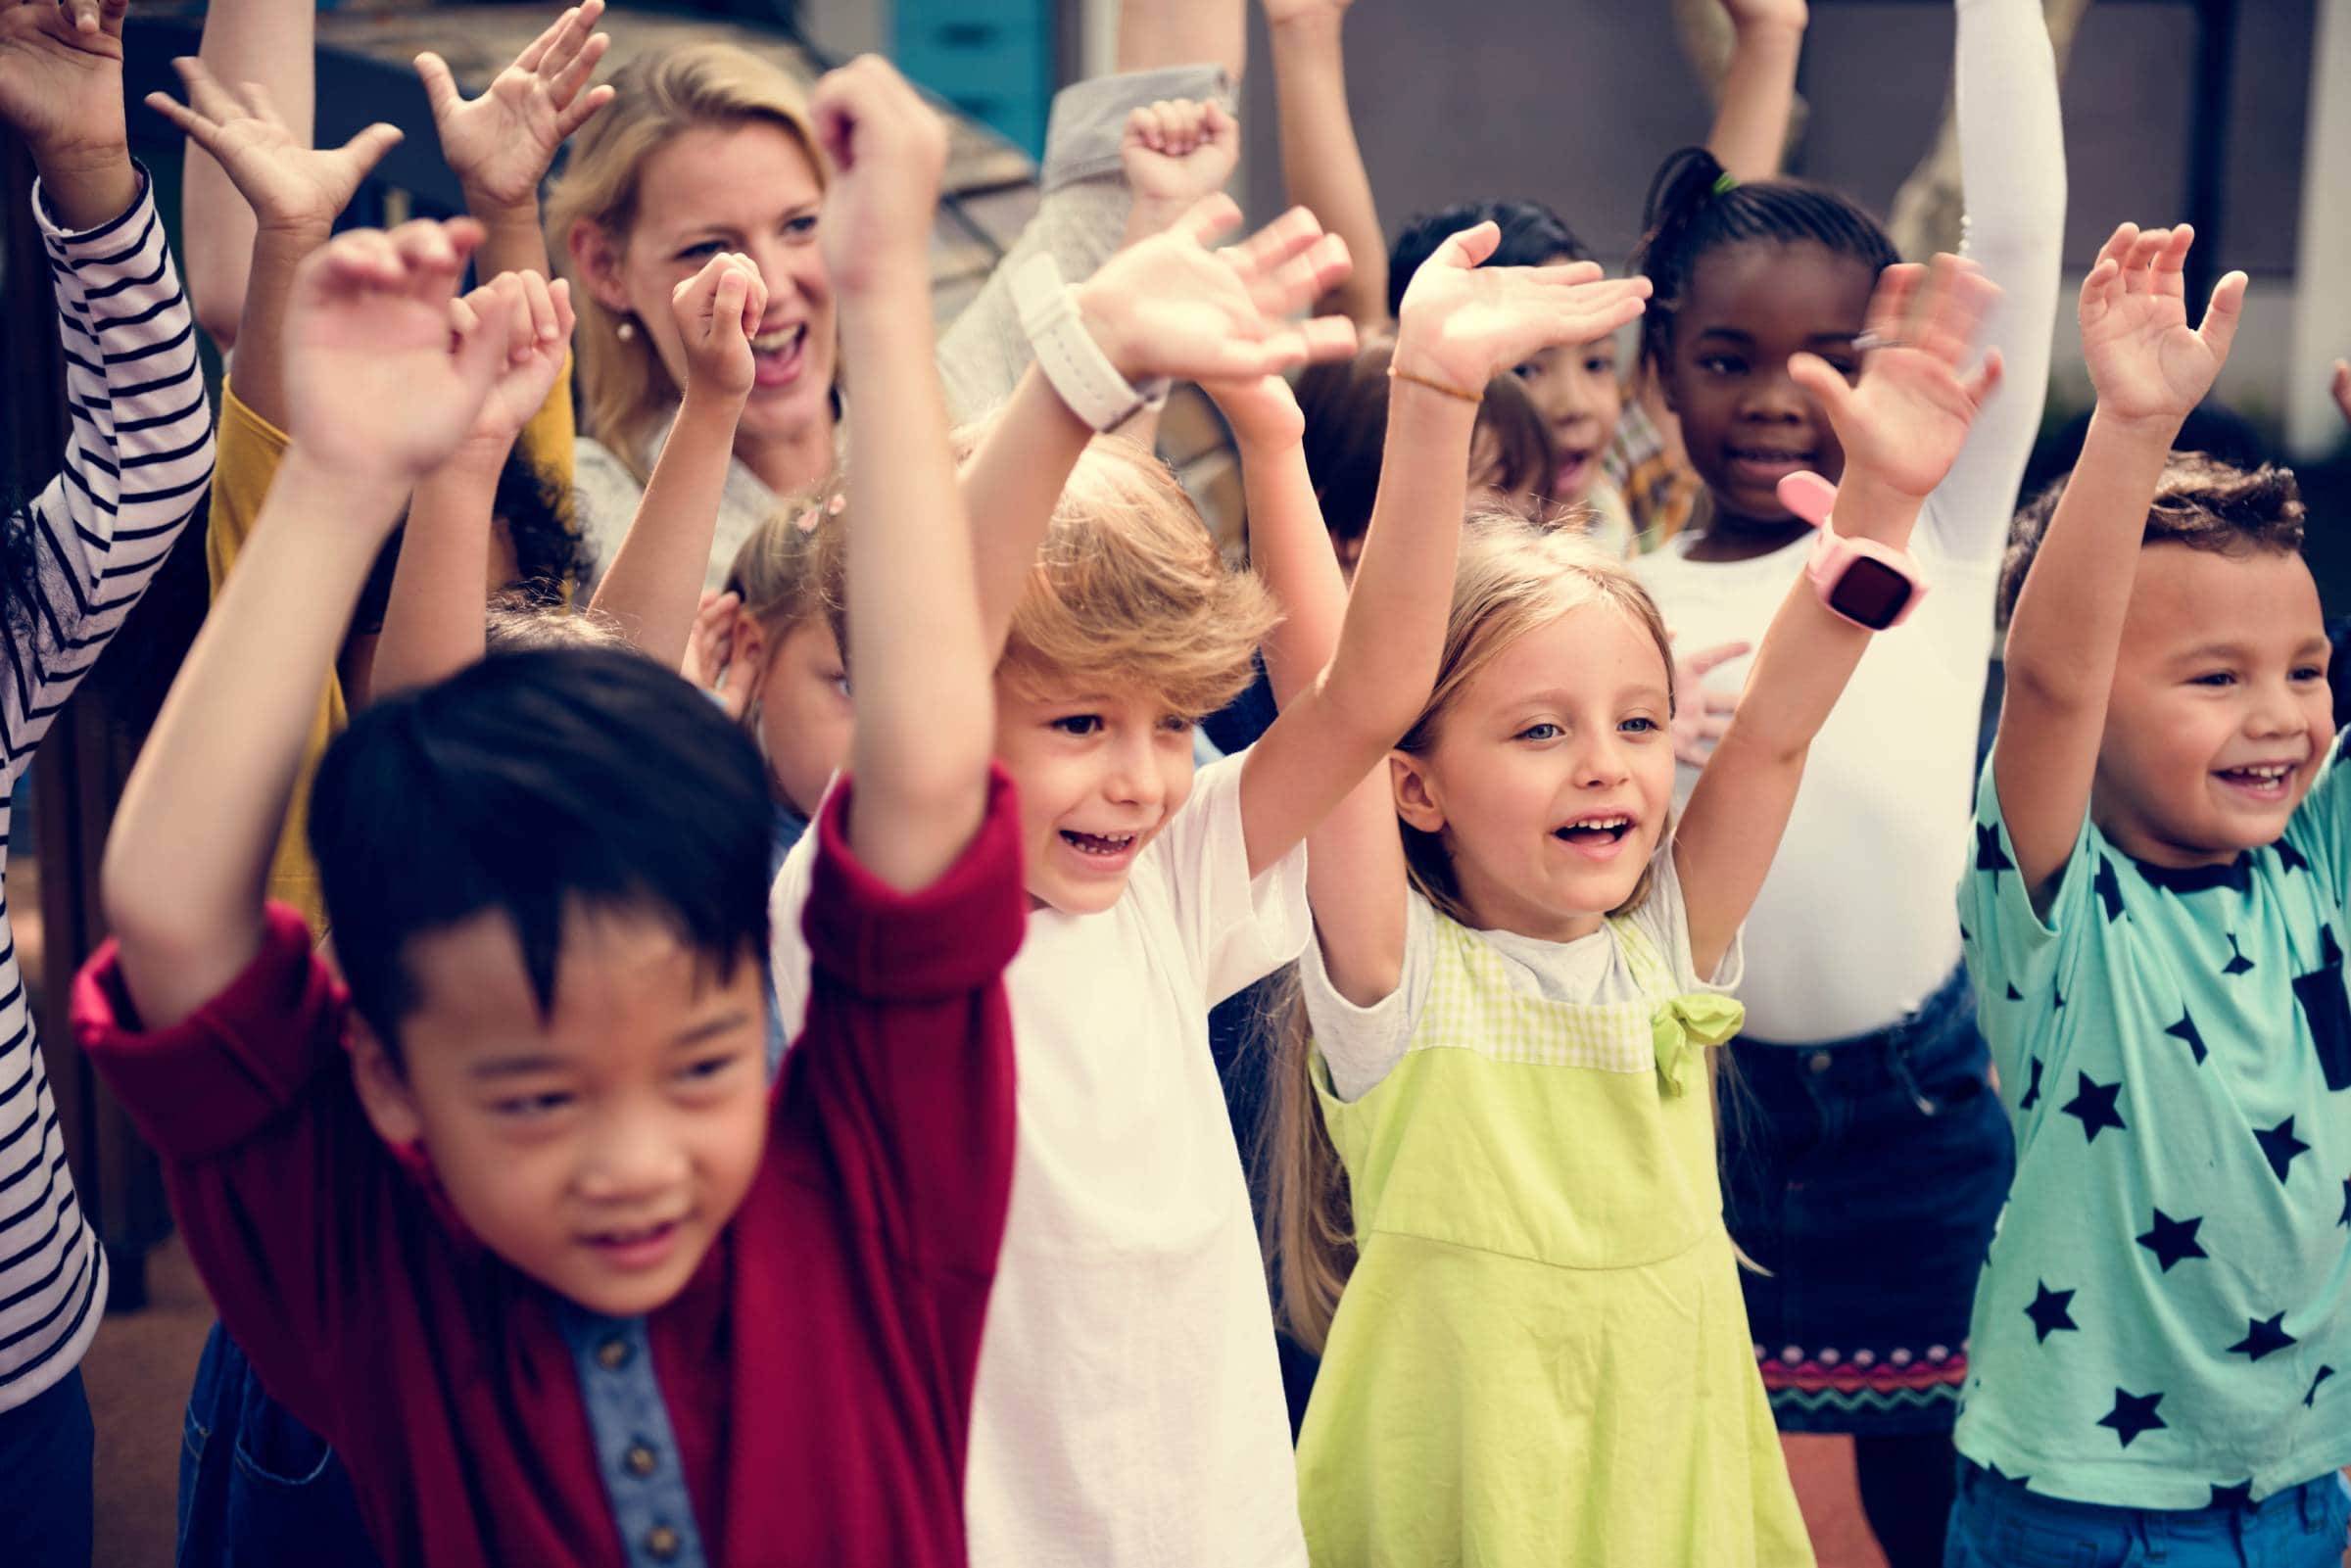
(750, 186)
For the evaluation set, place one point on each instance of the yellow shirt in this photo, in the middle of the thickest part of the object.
(250, 449)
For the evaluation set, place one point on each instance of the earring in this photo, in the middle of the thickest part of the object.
(627, 330)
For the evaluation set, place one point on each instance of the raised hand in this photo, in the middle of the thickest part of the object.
(1461, 323)
(1175, 152)
(718, 312)
(1263, 412)
(889, 150)
(710, 653)
(376, 387)
(500, 145)
(539, 321)
(2146, 362)
(1903, 422)
(1168, 306)
(287, 182)
(60, 77)
(1700, 716)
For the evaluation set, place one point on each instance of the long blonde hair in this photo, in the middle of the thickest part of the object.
(1514, 575)
(625, 389)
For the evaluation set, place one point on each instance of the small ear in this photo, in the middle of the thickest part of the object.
(383, 1093)
(597, 252)
(1415, 793)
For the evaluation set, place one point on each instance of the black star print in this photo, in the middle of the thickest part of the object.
(2014, 995)
(2238, 963)
(2059, 1005)
(2290, 859)
(2280, 1145)
(2033, 1097)
(2345, 1221)
(2185, 1029)
(2261, 1337)
(2240, 1495)
(2109, 890)
(2093, 1103)
(2051, 1311)
(2327, 1009)
(1988, 854)
(2172, 1240)
(2310, 1399)
(1965, 935)
(2133, 1415)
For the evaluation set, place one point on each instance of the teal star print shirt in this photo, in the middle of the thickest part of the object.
(2164, 1320)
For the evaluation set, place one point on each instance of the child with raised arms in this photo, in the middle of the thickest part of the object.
(1130, 1409)
(516, 1224)
(74, 559)
(2154, 903)
(1521, 967)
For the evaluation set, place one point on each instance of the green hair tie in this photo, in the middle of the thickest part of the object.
(1725, 183)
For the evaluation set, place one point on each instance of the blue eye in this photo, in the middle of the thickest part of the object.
(701, 251)
(2216, 679)
(801, 227)
(1538, 731)
(1078, 724)
(2309, 672)
(1642, 725)
(1178, 722)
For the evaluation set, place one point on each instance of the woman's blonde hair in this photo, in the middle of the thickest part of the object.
(625, 390)
(1515, 573)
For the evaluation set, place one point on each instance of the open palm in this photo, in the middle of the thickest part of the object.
(59, 86)
(2144, 359)
(283, 177)
(1463, 324)
(500, 145)
(371, 381)
(1907, 418)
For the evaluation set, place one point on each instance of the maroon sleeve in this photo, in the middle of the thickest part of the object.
(902, 1081)
(269, 1162)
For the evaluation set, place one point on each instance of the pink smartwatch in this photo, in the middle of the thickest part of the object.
(1873, 586)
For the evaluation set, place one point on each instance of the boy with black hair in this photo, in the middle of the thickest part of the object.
(2153, 922)
(544, 1263)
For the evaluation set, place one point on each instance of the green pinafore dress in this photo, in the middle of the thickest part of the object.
(1542, 1355)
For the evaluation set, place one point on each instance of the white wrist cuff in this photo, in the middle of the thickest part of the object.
(1072, 361)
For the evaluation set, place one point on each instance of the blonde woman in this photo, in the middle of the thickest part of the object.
(708, 148)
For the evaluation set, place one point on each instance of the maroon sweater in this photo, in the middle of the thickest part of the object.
(818, 1367)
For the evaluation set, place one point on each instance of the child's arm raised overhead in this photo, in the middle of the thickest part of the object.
(1322, 164)
(2012, 168)
(1164, 306)
(500, 145)
(921, 668)
(2150, 369)
(275, 43)
(296, 193)
(1317, 768)
(379, 398)
(1759, 87)
(433, 621)
(653, 586)
(1901, 424)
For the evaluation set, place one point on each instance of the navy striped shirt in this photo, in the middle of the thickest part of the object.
(137, 463)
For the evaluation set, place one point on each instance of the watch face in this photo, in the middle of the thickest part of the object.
(1870, 592)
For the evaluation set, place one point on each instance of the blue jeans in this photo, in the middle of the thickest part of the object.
(257, 1487)
(45, 1488)
(1998, 1524)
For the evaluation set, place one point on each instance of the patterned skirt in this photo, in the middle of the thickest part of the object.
(1863, 1177)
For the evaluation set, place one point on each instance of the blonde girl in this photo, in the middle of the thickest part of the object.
(1499, 1139)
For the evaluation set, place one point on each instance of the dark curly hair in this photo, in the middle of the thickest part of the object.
(2200, 501)
(547, 555)
(1532, 235)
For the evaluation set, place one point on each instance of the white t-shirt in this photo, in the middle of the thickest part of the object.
(1361, 1045)
(1129, 1406)
(1856, 925)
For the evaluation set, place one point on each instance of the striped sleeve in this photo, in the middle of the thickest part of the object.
(138, 456)
(136, 461)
